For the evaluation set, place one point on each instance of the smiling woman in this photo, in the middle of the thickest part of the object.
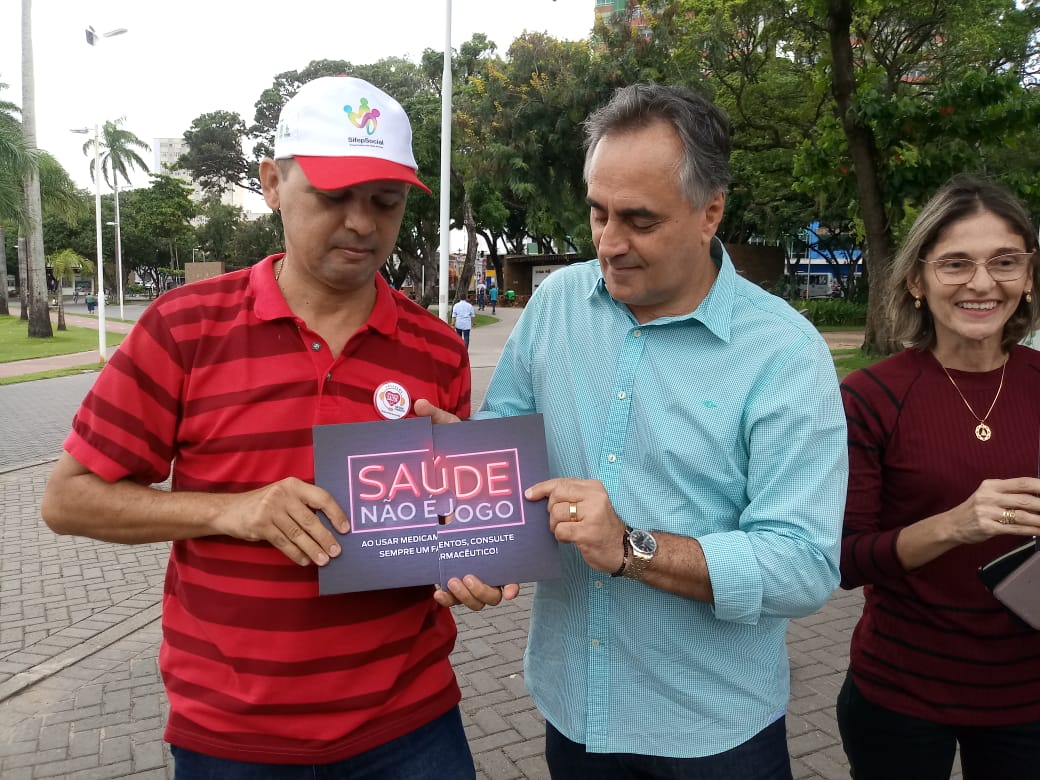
(942, 479)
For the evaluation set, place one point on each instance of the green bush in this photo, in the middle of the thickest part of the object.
(833, 312)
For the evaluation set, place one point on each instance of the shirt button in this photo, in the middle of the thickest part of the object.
(637, 333)
(599, 584)
(595, 643)
(622, 395)
(316, 346)
(611, 458)
(328, 377)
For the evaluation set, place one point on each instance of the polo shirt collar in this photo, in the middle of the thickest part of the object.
(271, 305)
(715, 312)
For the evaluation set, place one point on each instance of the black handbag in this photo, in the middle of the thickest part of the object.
(1014, 579)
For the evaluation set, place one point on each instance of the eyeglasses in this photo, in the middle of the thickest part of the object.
(961, 270)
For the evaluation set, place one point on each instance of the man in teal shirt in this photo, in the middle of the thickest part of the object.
(695, 425)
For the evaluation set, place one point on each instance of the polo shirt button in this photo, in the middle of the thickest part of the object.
(316, 346)
(637, 333)
(595, 643)
(622, 395)
(611, 458)
(599, 584)
(328, 377)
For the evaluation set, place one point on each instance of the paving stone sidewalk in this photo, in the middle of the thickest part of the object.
(80, 694)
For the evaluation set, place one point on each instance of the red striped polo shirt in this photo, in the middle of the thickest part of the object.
(220, 379)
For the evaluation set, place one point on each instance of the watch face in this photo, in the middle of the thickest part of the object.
(642, 541)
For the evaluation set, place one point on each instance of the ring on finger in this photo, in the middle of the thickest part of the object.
(1008, 517)
(572, 514)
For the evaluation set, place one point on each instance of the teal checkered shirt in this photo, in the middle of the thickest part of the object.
(725, 425)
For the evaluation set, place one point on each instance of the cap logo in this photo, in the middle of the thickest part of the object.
(344, 131)
(364, 118)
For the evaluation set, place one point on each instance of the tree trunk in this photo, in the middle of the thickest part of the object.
(5, 306)
(119, 244)
(39, 316)
(471, 248)
(23, 276)
(61, 305)
(878, 338)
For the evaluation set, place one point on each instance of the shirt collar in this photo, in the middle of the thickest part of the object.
(271, 304)
(715, 312)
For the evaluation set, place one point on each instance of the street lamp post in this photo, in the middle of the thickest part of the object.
(444, 310)
(102, 339)
(92, 39)
(119, 259)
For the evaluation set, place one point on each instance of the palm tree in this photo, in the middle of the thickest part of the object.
(39, 316)
(59, 195)
(118, 156)
(64, 265)
(14, 160)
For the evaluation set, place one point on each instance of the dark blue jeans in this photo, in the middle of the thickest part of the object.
(436, 751)
(885, 745)
(763, 757)
(464, 334)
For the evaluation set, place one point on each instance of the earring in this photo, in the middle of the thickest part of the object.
(1029, 297)
(917, 301)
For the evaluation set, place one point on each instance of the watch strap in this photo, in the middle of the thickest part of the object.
(624, 555)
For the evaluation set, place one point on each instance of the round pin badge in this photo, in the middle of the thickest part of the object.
(392, 401)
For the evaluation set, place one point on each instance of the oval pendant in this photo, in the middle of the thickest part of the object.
(982, 432)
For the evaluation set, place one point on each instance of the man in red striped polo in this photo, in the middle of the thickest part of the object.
(219, 384)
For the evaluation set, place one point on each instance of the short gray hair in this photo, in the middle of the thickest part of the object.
(703, 129)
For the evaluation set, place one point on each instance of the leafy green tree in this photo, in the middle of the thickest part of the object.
(75, 231)
(215, 233)
(256, 239)
(749, 56)
(900, 76)
(64, 265)
(158, 229)
(215, 158)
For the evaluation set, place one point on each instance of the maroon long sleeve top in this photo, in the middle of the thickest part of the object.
(934, 643)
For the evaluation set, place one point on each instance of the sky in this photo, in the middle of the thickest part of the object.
(184, 58)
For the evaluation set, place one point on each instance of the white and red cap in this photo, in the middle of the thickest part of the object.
(343, 131)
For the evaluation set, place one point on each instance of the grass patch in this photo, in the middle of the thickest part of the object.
(848, 360)
(53, 373)
(15, 344)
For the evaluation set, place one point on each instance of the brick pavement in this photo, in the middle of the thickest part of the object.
(80, 695)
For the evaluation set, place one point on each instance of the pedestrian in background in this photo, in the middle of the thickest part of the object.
(493, 296)
(462, 315)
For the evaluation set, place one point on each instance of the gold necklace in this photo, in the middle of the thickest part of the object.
(982, 431)
(278, 271)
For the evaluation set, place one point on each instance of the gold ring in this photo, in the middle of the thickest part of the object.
(1008, 518)
(573, 515)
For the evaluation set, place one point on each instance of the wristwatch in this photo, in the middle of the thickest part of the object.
(643, 546)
